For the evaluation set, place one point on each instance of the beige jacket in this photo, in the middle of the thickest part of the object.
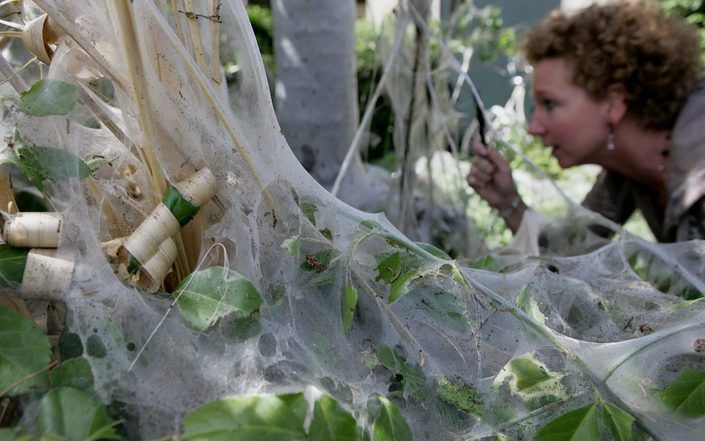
(616, 197)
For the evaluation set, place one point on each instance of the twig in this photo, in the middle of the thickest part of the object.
(8, 72)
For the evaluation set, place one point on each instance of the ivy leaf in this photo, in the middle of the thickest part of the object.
(70, 413)
(210, 294)
(527, 372)
(578, 425)
(349, 304)
(267, 418)
(618, 422)
(40, 164)
(332, 423)
(12, 264)
(686, 394)
(413, 379)
(24, 351)
(49, 97)
(75, 372)
(390, 425)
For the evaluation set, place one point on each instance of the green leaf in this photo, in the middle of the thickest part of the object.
(292, 245)
(413, 379)
(444, 308)
(97, 162)
(389, 269)
(317, 262)
(434, 251)
(72, 414)
(14, 435)
(527, 303)
(40, 164)
(48, 97)
(349, 304)
(577, 425)
(527, 372)
(182, 209)
(686, 395)
(325, 232)
(400, 286)
(12, 264)
(75, 372)
(207, 295)
(267, 418)
(618, 422)
(372, 225)
(462, 396)
(327, 277)
(331, 422)
(309, 209)
(390, 425)
(24, 351)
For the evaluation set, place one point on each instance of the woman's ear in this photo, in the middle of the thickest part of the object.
(616, 101)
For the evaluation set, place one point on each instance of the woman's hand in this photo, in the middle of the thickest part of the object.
(491, 178)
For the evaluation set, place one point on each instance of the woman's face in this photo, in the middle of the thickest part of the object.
(566, 117)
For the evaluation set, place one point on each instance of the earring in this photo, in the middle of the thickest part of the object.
(610, 137)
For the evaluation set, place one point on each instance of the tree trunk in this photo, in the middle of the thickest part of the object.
(316, 88)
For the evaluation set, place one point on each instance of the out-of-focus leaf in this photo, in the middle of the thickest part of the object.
(75, 372)
(331, 422)
(72, 414)
(267, 418)
(390, 425)
(686, 394)
(12, 264)
(618, 422)
(24, 352)
(577, 425)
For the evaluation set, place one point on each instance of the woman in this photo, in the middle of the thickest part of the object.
(616, 85)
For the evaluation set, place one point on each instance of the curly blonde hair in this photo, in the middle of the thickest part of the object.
(634, 45)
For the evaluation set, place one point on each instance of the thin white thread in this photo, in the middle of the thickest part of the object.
(159, 325)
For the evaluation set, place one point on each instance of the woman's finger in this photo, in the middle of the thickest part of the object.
(479, 147)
